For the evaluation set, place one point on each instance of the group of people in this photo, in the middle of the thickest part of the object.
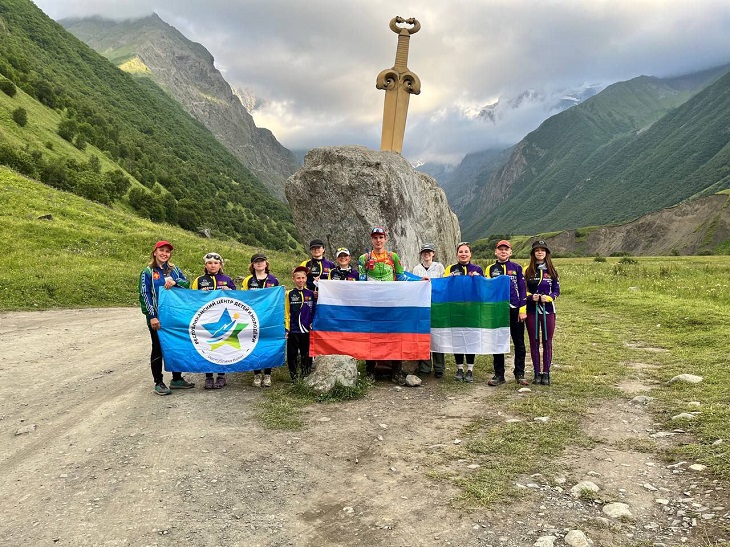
(532, 304)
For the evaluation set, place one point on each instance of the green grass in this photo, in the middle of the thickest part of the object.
(605, 321)
(89, 254)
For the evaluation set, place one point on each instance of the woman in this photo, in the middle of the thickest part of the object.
(259, 278)
(213, 279)
(464, 267)
(160, 273)
(543, 288)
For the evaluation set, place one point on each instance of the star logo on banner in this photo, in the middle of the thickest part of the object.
(225, 331)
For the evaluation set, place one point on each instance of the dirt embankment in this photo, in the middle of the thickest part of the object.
(686, 229)
(90, 456)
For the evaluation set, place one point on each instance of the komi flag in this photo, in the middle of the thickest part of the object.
(376, 320)
(470, 314)
(222, 331)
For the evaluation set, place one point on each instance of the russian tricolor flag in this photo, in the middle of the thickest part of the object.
(378, 320)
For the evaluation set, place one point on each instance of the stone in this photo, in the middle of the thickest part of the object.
(26, 429)
(524, 390)
(641, 400)
(543, 419)
(576, 538)
(583, 486)
(697, 467)
(545, 541)
(617, 510)
(370, 188)
(330, 370)
(684, 416)
(413, 381)
(689, 378)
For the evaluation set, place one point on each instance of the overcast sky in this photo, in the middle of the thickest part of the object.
(313, 63)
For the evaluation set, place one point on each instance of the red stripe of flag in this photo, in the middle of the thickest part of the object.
(369, 345)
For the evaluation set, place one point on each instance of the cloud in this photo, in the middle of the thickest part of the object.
(313, 64)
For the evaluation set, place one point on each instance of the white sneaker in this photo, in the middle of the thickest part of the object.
(267, 380)
(257, 380)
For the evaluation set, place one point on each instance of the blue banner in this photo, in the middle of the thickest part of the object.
(222, 331)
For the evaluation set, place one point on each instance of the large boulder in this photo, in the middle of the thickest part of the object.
(341, 192)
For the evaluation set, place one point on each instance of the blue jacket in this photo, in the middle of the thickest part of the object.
(151, 280)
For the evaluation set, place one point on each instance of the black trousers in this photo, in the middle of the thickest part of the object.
(156, 358)
(297, 343)
(517, 333)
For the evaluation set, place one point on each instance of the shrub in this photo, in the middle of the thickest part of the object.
(8, 87)
(599, 258)
(628, 260)
(20, 116)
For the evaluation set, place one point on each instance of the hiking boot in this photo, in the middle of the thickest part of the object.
(267, 380)
(182, 383)
(162, 389)
(459, 375)
(496, 380)
(257, 380)
(521, 380)
(469, 378)
(398, 378)
(220, 382)
(538, 378)
(545, 379)
(209, 383)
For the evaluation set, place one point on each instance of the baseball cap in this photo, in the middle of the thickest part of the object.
(162, 244)
(300, 269)
(503, 243)
(257, 256)
(428, 247)
(377, 230)
(343, 251)
(540, 244)
(316, 243)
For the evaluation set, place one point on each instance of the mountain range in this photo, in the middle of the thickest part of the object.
(149, 47)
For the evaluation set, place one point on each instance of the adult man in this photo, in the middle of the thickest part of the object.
(379, 264)
(517, 312)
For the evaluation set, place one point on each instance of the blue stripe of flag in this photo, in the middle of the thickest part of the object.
(362, 319)
(466, 288)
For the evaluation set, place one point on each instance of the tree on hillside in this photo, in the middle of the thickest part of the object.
(20, 116)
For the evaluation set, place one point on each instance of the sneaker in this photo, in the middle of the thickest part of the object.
(162, 389)
(182, 383)
(257, 380)
(398, 378)
(521, 380)
(267, 380)
(220, 382)
(538, 378)
(469, 378)
(496, 381)
(459, 375)
(209, 383)
(545, 379)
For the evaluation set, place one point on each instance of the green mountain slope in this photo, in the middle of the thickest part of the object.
(188, 178)
(629, 150)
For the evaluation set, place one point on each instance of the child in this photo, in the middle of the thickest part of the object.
(343, 271)
(298, 313)
(318, 266)
(259, 278)
(160, 273)
(428, 268)
(543, 288)
(464, 267)
(517, 312)
(213, 279)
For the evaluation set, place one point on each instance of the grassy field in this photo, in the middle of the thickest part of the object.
(669, 312)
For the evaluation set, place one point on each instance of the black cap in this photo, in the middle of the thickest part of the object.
(540, 244)
(257, 256)
(428, 247)
(316, 243)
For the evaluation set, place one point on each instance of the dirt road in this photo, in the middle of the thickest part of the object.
(90, 456)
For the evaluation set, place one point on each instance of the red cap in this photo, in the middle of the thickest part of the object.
(162, 244)
(503, 243)
(300, 269)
